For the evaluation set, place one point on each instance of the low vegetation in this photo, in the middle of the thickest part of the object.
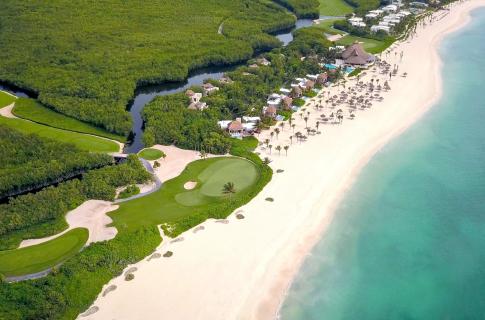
(28, 162)
(130, 191)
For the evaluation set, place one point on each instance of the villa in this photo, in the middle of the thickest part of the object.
(194, 96)
(287, 103)
(270, 111)
(390, 8)
(296, 92)
(209, 88)
(322, 78)
(235, 129)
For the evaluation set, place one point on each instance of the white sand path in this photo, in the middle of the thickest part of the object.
(242, 269)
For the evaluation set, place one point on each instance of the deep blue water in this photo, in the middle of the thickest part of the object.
(408, 241)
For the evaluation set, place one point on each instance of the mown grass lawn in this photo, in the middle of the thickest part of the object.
(5, 99)
(150, 154)
(173, 202)
(370, 45)
(32, 110)
(40, 257)
(335, 8)
(83, 141)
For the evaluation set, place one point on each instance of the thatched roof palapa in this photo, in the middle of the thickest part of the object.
(355, 54)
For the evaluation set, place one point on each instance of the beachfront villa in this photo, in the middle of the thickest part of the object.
(356, 55)
(237, 128)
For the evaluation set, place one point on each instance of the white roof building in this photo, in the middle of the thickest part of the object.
(377, 11)
(251, 119)
(371, 15)
(390, 8)
(380, 28)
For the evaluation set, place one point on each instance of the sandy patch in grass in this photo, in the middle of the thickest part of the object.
(189, 185)
(175, 161)
(7, 111)
(90, 215)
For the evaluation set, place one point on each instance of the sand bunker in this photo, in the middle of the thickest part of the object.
(189, 185)
(7, 111)
(90, 215)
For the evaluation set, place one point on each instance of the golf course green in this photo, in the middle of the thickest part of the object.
(150, 154)
(173, 202)
(40, 257)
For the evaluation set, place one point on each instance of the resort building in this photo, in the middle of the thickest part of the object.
(357, 22)
(263, 62)
(274, 100)
(322, 78)
(270, 111)
(209, 88)
(356, 55)
(236, 129)
(287, 103)
(390, 8)
(296, 92)
(193, 96)
(386, 29)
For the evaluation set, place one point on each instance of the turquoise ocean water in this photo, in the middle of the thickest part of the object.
(408, 241)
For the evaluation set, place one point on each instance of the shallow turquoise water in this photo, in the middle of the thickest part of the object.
(408, 241)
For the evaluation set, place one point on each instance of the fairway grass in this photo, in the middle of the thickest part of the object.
(82, 141)
(335, 8)
(6, 99)
(150, 154)
(173, 202)
(32, 110)
(43, 256)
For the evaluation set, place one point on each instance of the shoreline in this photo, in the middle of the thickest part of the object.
(243, 269)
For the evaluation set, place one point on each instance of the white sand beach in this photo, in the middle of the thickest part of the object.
(242, 269)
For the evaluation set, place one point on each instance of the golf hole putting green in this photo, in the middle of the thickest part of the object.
(212, 179)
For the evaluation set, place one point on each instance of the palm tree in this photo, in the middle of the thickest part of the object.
(317, 124)
(291, 139)
(286, 149)
(229, 188)
(279, 150)
(293, 127)
(266, 141)
(271, 135)
(277, 131)
(282, 125)
(306, 121)
(266, 161)
(203, 154)
(270, 147)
